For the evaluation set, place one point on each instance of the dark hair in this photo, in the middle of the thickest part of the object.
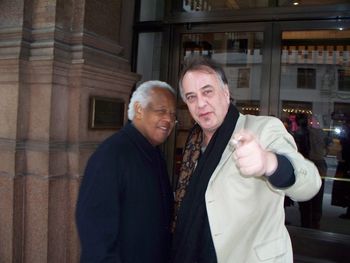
(302, 119)
(195, 63)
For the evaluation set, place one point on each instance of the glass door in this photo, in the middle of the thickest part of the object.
(314, 104)
(292, 71)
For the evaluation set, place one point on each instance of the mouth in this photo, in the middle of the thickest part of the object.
(164, 129)
(204, 115)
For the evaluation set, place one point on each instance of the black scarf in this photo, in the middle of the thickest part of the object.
(191, 214)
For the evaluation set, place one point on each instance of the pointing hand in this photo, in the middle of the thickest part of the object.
(251, 159)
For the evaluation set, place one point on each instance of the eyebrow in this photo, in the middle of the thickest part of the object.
(189, 93)
(202, 88)
(206, 86)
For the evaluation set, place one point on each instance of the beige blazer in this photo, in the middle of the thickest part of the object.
(246, 214)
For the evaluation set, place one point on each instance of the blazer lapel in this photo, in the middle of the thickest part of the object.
(229, 148)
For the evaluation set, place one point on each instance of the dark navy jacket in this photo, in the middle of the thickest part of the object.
(125, 202)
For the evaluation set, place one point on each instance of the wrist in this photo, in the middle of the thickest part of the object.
(271, 164)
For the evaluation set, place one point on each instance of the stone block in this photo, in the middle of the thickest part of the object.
(36, 219)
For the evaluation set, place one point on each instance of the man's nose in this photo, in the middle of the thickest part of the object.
(169, 116)
(201, 101)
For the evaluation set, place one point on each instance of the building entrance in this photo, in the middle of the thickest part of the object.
(290, 72)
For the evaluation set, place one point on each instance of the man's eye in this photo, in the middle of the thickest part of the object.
(161, 111)
(207, 92)
(190, 98)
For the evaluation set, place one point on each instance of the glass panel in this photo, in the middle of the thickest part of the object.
(310, 2)
(148, 63)
(211, 5)
(151, 10)
(315, 107)
(240, 54)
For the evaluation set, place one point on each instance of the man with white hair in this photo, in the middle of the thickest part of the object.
(125, 200)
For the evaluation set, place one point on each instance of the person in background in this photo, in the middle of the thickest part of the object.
(125, 200)
(341, 188)
(345, 153)
(235, 173)
(311, 142)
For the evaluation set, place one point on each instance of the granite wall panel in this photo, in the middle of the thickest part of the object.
(54, 55)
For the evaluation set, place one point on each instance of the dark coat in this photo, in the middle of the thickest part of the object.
(341, 189)
(125, 202)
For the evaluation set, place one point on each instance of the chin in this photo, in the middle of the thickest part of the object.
(160, 141)
(211, 128)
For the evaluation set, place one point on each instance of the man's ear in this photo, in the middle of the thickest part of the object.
(138, 110)
(227, 92)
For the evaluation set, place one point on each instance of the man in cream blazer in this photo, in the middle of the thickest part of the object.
(246, 214)
(235, 173)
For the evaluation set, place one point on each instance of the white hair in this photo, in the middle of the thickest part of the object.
(142, 94)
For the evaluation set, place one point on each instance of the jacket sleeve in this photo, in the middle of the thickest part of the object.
(284, 175)
(98, 210)
(277, 139)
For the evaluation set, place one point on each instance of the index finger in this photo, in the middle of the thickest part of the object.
(242, 137)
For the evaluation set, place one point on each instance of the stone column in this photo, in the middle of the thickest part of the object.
(54, 55)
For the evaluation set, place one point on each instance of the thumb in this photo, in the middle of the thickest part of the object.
(242, 137)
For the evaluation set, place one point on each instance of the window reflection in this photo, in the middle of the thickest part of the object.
(148, 63)
(315, 107)
(211, 5)
(151, 10)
